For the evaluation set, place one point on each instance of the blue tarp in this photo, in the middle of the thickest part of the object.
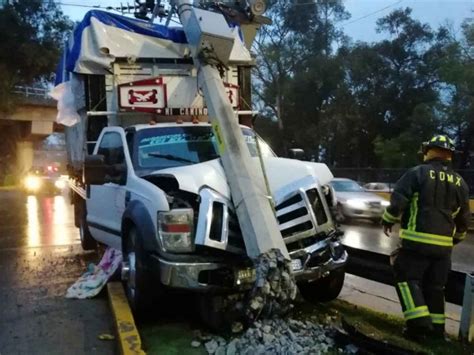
(72, 52)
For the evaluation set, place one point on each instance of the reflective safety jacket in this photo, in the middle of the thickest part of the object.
(431, 202)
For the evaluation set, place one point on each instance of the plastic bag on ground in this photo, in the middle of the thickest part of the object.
(91, 283)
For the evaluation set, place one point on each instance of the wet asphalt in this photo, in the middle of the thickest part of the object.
(40, 257)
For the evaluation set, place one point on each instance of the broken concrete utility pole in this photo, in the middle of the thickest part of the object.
(211, 41)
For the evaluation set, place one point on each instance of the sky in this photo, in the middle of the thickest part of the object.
(364, 13)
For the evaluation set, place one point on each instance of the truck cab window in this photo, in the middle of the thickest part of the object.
(111, 147)
(167, 147)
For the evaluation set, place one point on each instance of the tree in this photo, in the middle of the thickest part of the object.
(33, 32)
(457, 71)
(396, 88)
(293, 54)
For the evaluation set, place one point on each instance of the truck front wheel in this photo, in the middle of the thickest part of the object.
(137, 278)
(325, 289)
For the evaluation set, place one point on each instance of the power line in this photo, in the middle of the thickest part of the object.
(373, 13)
(80, 5)
(354, 20)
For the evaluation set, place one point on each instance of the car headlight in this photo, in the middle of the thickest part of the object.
(60, 184)
(175, 230)
(32, 182)
(385, 203)
(356, 203)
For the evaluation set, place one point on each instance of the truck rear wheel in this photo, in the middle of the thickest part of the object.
(137, 279)
(87, 241)
(325, 289)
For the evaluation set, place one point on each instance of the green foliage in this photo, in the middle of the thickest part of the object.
(33, 31)
(361, 104)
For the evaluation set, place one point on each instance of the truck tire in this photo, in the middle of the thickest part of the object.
(87, 241)
(138, 281)
(325, 289)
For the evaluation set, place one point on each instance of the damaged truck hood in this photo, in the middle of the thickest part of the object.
(280, 172)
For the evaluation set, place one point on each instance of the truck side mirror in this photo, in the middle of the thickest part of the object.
(95, 170)
(296, 153)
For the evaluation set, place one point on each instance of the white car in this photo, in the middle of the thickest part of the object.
(353, 201)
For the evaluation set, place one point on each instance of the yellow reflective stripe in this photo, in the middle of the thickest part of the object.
(427, 238)
(390, 218)
(413, 212)
(442, 138)
(455, 213)
(406, 295)
(438, 318)
(417, 312)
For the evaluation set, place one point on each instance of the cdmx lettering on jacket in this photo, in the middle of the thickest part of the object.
(445, 177)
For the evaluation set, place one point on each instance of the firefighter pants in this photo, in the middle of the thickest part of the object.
(420, 283)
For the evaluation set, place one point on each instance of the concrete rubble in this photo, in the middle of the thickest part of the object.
(275, 336)
(275, 288)
(265, 308)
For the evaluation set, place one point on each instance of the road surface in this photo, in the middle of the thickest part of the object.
(40, 257)
(368, 236)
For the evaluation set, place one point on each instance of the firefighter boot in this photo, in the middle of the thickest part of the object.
(434, 284)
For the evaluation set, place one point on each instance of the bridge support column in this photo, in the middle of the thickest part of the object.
(24, 157)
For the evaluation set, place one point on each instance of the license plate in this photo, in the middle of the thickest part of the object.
(296, 264)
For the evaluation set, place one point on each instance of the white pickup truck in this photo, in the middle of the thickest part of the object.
(159, 193)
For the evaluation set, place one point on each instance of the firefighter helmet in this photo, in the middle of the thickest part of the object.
(438, 141)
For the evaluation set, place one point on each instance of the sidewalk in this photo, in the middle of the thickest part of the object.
(383, 298)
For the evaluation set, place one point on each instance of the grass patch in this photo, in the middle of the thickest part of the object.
(173, 335)
(170, 339)
(376, 325)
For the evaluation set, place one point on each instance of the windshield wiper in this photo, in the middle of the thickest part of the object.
(171, 157)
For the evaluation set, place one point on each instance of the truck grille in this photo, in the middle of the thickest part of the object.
(293, 216)
(301, 217)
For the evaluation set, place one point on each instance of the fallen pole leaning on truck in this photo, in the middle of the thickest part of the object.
(255, 213)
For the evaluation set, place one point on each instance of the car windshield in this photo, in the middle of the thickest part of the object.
(346, 186)
(167, 147)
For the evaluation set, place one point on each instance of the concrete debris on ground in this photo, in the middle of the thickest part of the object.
(273, 336)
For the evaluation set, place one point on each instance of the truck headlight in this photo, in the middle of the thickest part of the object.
(385, 203)
(175, 230)
(32, 183)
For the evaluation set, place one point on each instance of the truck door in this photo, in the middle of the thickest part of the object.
(106, 203)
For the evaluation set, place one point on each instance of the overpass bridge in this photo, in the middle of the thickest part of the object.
(32, 120)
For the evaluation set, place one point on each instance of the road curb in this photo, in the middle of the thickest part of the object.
(127, 333)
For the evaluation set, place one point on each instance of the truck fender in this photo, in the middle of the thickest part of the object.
(137, 215)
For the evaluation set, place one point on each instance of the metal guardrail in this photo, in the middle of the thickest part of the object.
(29, 91)
(376, 267)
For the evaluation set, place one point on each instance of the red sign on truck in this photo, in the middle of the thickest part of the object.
(151, 96)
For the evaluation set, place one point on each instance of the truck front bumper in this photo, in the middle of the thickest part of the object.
(221, 277)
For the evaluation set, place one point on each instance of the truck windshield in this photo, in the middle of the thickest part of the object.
(166, 147)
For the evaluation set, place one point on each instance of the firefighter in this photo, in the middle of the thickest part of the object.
(431, 203)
